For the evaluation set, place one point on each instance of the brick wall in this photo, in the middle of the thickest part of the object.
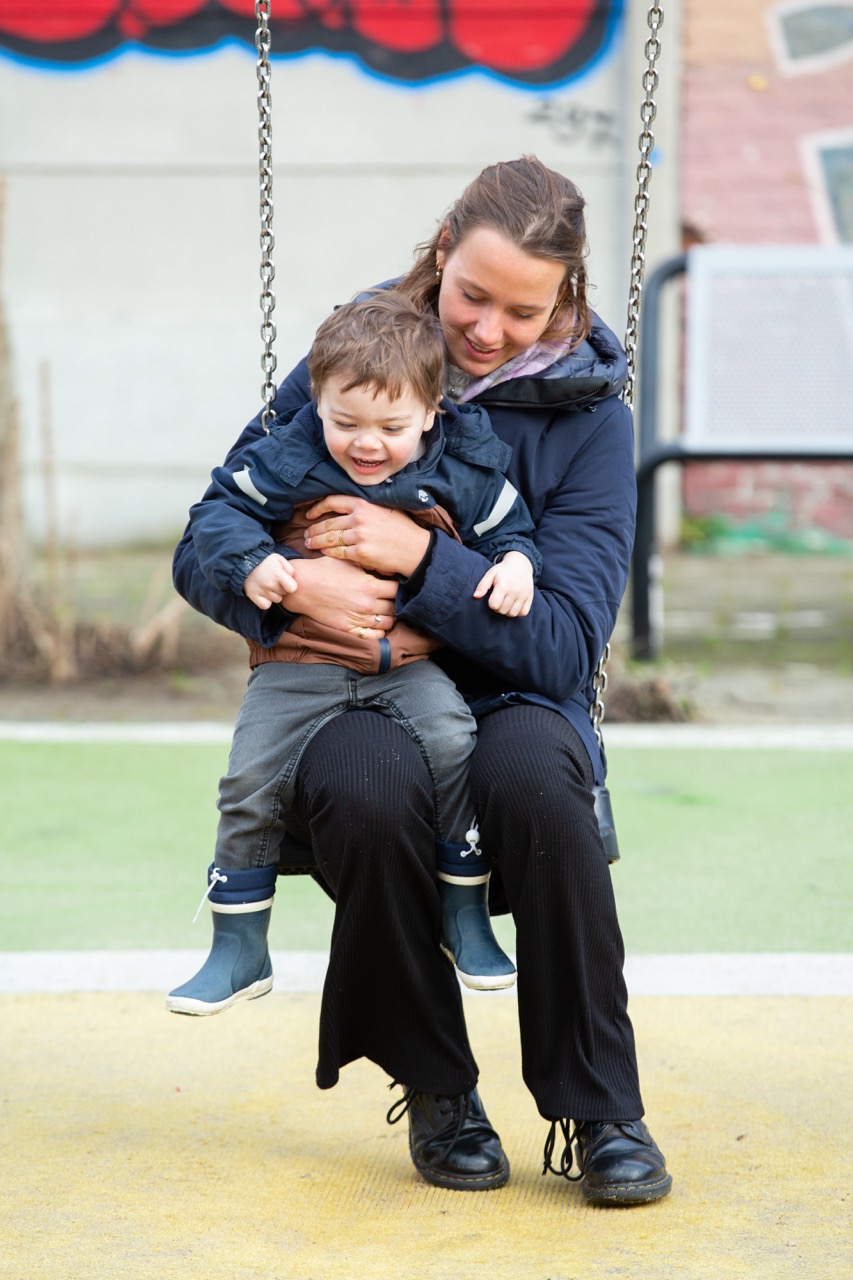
(748, 131)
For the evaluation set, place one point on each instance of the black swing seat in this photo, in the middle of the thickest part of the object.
(606, 825)
(296, 858)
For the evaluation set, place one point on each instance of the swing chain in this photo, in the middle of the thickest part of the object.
(648, 112)
(263, 43)
(599, 686)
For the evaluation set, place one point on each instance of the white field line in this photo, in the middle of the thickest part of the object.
(709, 974)
(802, 737)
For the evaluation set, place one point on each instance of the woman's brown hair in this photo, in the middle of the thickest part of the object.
(537, 210)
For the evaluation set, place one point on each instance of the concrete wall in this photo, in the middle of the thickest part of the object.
(131, 236)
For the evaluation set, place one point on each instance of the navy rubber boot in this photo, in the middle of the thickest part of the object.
(466, 930)
(239, 965)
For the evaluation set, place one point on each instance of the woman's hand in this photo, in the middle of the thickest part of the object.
(343, 596)
(375, 537)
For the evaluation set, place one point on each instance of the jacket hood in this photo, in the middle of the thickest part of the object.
(468, 434)
(598, 368)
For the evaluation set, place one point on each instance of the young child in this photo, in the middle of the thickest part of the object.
(378, 429)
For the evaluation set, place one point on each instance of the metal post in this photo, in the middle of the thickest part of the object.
(646, 639)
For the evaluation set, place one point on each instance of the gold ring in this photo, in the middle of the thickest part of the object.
(341, 539)
(360, 633)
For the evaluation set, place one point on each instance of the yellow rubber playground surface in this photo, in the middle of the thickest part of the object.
(142, 1145)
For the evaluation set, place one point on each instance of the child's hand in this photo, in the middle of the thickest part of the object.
(269, 582)
(511, 584)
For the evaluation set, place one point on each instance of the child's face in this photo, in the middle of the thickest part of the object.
(367, 433)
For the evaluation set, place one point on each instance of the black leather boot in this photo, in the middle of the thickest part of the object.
(451, 1141)
(619, 1162)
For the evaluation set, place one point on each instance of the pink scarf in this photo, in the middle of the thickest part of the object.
(532, 360)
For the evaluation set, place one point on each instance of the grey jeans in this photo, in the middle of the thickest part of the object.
(286, 703)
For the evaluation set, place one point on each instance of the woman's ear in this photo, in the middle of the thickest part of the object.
(442, 248)
(564, 293)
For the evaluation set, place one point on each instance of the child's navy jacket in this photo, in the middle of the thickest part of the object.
(462, 469)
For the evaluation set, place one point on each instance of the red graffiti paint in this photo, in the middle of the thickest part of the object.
(404, 25)
(66, 20)
(406, 40)
(511, 36)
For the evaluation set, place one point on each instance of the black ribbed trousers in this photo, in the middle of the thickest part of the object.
(390, 995)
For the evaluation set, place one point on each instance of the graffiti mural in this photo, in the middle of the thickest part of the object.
(404, 40)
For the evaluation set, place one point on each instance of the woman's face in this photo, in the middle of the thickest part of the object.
(495, 300)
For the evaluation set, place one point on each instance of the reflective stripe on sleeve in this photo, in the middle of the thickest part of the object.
(502, 507)
(243, 481)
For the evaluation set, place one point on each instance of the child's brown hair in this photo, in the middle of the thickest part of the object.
(386, 341)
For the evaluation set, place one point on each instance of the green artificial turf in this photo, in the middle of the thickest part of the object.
(734, 850)
(107, 846)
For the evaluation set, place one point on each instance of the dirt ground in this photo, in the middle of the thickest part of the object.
(753, 639)
(754, 694)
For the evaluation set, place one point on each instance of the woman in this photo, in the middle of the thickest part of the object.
(505, 275)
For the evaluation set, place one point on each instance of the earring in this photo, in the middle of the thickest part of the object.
(438, 269)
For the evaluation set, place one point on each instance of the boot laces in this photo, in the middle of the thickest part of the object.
(566, 1159)
(216, 877)
(444, 1138)
(399, 1108)
(583, 1153)
(473, 838)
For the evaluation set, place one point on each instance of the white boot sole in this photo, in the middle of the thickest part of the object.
(479, 981)
(201, 1009)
